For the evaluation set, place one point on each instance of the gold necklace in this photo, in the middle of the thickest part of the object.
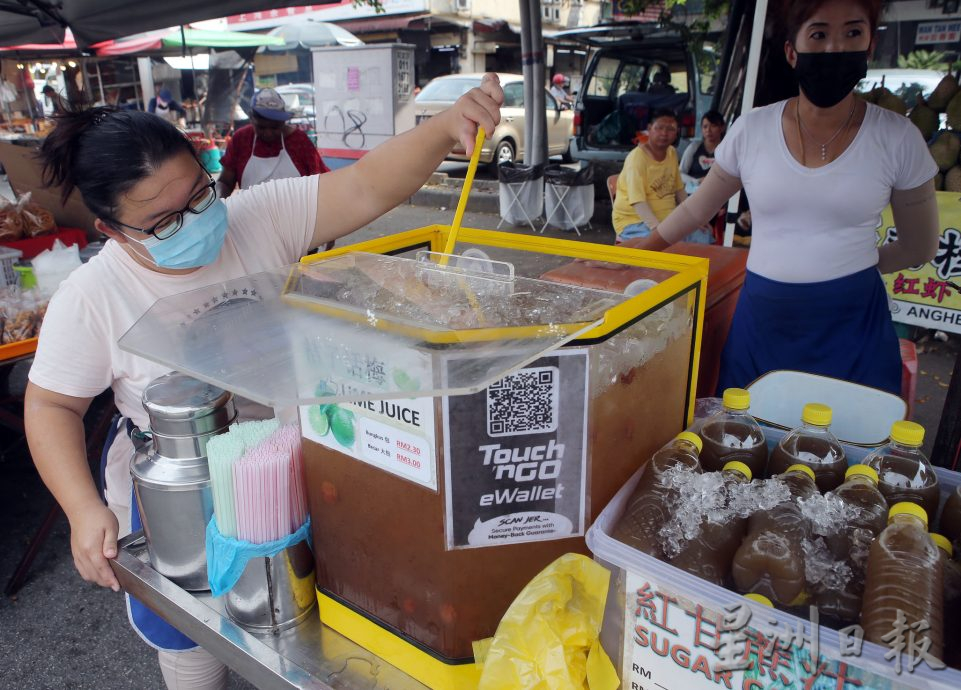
(824, 147)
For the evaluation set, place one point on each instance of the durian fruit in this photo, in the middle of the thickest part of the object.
(943, 93)
(925, 118)
(952, 179)
(869, 96)
(889, 101)
(954, 111)
(939, 182)
(945, 150)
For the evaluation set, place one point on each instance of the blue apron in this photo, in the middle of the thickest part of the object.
(154, 630)
(840, 328)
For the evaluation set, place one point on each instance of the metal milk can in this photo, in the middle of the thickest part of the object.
(170, 474)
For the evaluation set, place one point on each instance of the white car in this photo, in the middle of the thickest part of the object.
(506, 143)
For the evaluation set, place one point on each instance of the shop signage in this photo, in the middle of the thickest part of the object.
(515, 455)
(672, 642)
(938, 32)
(929, 295)
(329, 12)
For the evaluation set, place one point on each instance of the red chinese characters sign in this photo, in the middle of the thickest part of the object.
(929, 295)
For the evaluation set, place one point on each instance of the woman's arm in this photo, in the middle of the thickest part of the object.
(697, 210)
(54, 425)
(352, 196)
(644, 212)
(915, 214)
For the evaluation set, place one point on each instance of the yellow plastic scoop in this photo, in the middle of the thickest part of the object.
(464, 194)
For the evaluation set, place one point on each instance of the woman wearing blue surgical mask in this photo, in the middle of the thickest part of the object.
(170, 234)
(819, 169)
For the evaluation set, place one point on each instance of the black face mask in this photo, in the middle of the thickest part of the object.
(826, 78)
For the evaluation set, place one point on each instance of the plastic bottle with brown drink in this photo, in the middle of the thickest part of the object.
(905, 575)
(709, 554)
(950, 523)
(904, 473)
(814, 445)
(733, 434)
(852, 542)
(952, 601)
(650, 505)
(770, 560)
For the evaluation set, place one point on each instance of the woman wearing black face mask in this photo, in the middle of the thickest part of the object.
(819, 169)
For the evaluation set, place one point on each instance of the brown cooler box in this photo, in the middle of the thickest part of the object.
(725, 277)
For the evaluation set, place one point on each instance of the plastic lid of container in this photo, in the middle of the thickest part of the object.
(907, 433)
(759, 598)
(736, 399)
(942, 542)
(739, 466)
(362, 326)
(817, 414)
(691, 438)
(862, 470)
(908, 508)
(801, 468)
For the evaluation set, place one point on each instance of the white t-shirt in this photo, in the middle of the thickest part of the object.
(816, 224)
(270, 226)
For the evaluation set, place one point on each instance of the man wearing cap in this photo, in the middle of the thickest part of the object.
(164, 105)
(268, 148)
(559, 85)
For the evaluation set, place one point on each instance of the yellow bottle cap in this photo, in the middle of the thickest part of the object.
(691, 438)
(801, 599)
(908, 508)
(759, 598)
(817, 414)
(862, 470)
(736, 399)
(801, 468)
(907, 433)
(739, 466)
(942, 542)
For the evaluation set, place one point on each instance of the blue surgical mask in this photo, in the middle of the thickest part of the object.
(197, 243)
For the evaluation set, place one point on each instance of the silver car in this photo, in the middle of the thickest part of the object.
(506, 144)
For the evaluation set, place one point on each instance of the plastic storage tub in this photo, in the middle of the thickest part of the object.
(660, 625)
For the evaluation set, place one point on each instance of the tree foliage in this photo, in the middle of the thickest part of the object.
(676, 12)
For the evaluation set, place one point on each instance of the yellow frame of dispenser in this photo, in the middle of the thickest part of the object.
(690, 277)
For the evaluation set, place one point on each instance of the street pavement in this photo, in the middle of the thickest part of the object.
(59, 632)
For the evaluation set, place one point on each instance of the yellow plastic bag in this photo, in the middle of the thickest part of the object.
(548, 638)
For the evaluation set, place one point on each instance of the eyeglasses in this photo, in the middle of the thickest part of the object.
(168, 226)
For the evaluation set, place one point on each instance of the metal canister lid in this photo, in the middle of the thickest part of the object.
(179, 405)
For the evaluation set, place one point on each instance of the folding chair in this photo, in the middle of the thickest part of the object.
(568, 197)
(565, 193)
(521, 194)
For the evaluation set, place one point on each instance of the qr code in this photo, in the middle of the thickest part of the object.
(523, 403)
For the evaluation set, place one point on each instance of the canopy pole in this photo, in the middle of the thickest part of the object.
(747, 102)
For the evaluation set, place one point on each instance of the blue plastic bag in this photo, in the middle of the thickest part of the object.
(227, 557)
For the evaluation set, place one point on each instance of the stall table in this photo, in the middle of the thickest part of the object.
(310, 655)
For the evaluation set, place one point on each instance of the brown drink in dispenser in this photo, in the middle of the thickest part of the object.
(710, 553)
(380, 540)
(733, 434)
(904, 473)
(852, 542)
(814, 445)
(770, 560)
(905, 575)
(651, 504)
